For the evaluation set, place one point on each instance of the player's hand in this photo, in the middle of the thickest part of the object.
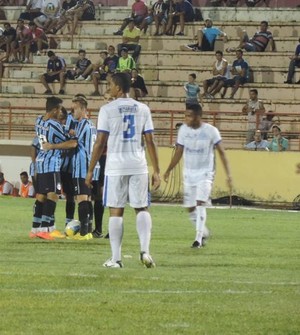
(166, 176)
(156, 181)
(47, 146)
(88, 179)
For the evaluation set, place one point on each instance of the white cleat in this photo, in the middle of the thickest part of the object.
(147, 260)
(111, 264)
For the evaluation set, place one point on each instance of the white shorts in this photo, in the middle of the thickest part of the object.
(200, 192)
(119, 190)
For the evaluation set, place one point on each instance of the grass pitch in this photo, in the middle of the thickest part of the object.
(245, 281)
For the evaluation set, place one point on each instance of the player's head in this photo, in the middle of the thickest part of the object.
(79, 105)
(53, 105)
(193, 115)
(120, 84)
(24, 177)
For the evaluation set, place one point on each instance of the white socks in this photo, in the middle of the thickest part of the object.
(200, 223)
(115, 229)
(143, 227)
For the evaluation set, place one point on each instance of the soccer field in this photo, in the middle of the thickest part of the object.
(245, 281)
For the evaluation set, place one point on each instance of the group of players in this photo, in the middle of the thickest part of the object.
(124, 129)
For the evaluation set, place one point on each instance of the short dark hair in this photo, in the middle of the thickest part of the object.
(219, 52)
(254, 90)
(24, 174)
(52, 102)
(193, 75)
(195, 108)
(265, 22)
(122, 80)
(7, 24)
(50, 53)
(239, 50)
(80, 51)
(81, 98)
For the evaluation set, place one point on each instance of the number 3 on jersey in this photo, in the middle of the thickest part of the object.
(128, 126)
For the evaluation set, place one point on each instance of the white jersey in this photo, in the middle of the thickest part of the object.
(126, 120)
(198, 152)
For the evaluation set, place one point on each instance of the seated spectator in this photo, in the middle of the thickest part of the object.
(220, 73)
(267, 122)
(138, 13)
(37, 42)
(26, 188)
(125, 63)
(184, 12)
(192, 91)
(6, 188)
(79, 71)
(295, 62)
(206, 38)
(50, 15)
(278, 143)
(157, 14)
(240, 72)
(138, 88)
(130, 40)
(258, 43)
(258, 143)
(254, 109)
(23, 35)
(33, 10)
(56, 68)
(8, 37)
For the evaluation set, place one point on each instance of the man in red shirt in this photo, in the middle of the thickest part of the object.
(37, 42)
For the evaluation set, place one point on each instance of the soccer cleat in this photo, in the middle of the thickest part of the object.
(32, 235)
(96, 234)
(147, 260)
(57, 234)
(196, 245)
(45, 236)
(111, 264)
(79, 237)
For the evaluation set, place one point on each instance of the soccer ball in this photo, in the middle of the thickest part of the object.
(72, 228)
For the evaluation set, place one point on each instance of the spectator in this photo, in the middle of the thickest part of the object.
(6, 188)
(220, 73)
(267, 123)
(258, 143)
(295, 62)
(278, 143)
(38, 41)
(192, 91)
(254, 109)
(8, 37)
(33, 10)
(79, 71)
(138, 13)
(138, 88)
(206, 38)
(125, 63)
(184, 12)
(240, 72)
(130, 40)
(157, 14)
(18, 45)
(55, 71)
(258, 42)
(26, 188)
(170, 9)
(50, 15)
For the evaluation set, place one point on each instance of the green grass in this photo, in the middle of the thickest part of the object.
(246, 281)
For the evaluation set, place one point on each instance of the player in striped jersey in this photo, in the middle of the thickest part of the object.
(125, 125)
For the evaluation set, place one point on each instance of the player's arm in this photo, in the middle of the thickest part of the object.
(98, 149)
(225, 163)
(175, 160)
(71, 144)
(152, 150)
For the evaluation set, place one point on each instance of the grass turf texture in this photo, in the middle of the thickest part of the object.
(246, 281)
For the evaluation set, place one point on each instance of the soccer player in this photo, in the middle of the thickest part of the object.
(48, 162)
(196, 142)
(125, 125)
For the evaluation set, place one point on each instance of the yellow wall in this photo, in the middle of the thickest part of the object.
(256, 175)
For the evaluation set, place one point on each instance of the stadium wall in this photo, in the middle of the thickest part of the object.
(264, 176)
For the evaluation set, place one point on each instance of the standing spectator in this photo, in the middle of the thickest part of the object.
(33, 10)
(38, 41)
(206, 38)
(124, 125)
(258, 143)
(79, 72)
(138, 13)
(130, 40)
(254, 109)
(220, 73)
(6, 188)
(295, 62)
(184, 12)
(197, 142)
(138, 88)
(278, 143)
(55, 71)
(258, 42)
(192, 90)
(26, 188)
(125, 63)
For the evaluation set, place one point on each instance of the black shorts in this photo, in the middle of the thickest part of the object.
(51, 79)
(96, 190)
(87, 17)
(231, 82)
(80, 187)
(67, 183)
(48, 182)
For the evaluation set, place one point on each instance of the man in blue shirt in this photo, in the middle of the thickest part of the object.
(295, 62)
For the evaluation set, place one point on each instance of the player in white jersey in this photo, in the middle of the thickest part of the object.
(196, 142)
(125, 124)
